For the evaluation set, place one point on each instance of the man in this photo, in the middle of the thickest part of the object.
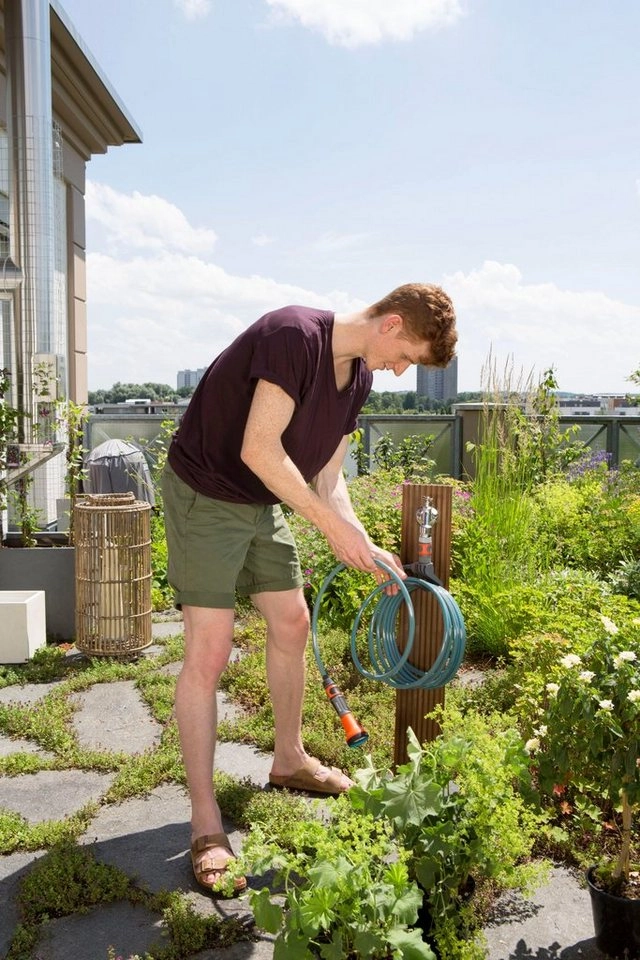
(269, 423)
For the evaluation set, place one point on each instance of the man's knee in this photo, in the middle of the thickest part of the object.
(289, 626)
(206, 670)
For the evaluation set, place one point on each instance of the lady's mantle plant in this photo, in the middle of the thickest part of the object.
(347, 891)
(460, 808)
(589, 732)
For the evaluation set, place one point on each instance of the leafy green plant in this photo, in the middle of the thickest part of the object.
(626, 578)
(588, 730)
(156, 452)
(347, 894)
(459, 809)
(408, 456)
(74, 416)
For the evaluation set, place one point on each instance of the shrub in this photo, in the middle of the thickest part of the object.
(588, 733)
(591, 518)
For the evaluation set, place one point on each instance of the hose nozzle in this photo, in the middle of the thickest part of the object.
(354, 732)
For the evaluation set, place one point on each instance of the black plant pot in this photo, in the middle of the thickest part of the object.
(616, 921)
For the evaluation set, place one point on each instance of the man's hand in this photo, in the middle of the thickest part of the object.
(349, 544)
(353, 548)
(392, 561)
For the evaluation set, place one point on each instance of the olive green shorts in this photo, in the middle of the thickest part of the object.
(217, 548)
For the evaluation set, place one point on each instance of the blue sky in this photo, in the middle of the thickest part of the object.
(325, 151)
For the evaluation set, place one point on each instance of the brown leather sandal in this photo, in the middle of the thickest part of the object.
(209, 864)
(306, 778)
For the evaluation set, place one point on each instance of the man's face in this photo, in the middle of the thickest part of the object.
(391, 350)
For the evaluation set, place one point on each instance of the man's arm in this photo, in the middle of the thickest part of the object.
(263, 452)
(331, 487)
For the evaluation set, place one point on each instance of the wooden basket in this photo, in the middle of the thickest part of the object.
(113, 574)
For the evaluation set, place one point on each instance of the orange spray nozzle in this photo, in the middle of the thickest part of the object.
(354, 732)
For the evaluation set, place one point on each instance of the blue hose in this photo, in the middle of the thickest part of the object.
(388, 664)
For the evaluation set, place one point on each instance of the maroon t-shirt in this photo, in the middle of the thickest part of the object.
(290, 347)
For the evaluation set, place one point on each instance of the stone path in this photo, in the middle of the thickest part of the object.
(149, 839)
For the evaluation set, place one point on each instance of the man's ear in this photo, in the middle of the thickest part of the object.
(393, 321)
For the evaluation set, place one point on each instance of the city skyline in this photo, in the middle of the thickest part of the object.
(325, 152)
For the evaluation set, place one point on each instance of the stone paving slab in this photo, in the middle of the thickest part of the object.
(262, 950)
(129, 930)
(13, 867)
(28, 693)
(113, 716)
(241, 760)
(8, 747)
(52, 794)
(149, 838)
(167, 628)
(555, 923)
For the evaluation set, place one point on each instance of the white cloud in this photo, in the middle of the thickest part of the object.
(156, 305)
(262, 240)
(353, 23)
(194, 9)
(592, 340)
(139, 221)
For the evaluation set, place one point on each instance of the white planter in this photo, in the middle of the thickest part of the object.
(22, 624)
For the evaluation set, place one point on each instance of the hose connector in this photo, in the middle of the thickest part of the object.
(355, 733)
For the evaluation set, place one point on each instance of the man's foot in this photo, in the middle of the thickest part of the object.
(313, 777)
(210, 856)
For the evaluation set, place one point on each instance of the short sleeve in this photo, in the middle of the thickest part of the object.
(283, 356)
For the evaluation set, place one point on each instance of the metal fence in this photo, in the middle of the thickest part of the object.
(618, 436)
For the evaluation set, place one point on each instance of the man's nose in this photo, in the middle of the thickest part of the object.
(399, 368)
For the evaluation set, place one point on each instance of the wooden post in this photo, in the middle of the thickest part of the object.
(413, 705)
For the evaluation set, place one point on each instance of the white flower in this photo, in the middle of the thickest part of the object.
(571, 660)
(542, 730)
(624, 655)
(586, 675)
(605, 704)
(634, 696)
(609, 625)
(532, 745)
(552, 689)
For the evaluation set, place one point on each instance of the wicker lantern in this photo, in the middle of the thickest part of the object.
(113, 574)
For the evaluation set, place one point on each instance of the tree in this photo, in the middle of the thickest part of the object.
(120, 392)
(634, 378)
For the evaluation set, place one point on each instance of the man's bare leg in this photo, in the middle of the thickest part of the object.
(287, 619)
(208, 637)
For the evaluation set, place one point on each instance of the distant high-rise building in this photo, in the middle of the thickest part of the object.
(438, 383)
(190, 378)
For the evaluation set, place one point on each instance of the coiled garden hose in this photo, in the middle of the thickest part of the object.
(388, 664)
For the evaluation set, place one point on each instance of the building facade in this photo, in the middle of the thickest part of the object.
(56, 111)
(438, 383)
(190, 378)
